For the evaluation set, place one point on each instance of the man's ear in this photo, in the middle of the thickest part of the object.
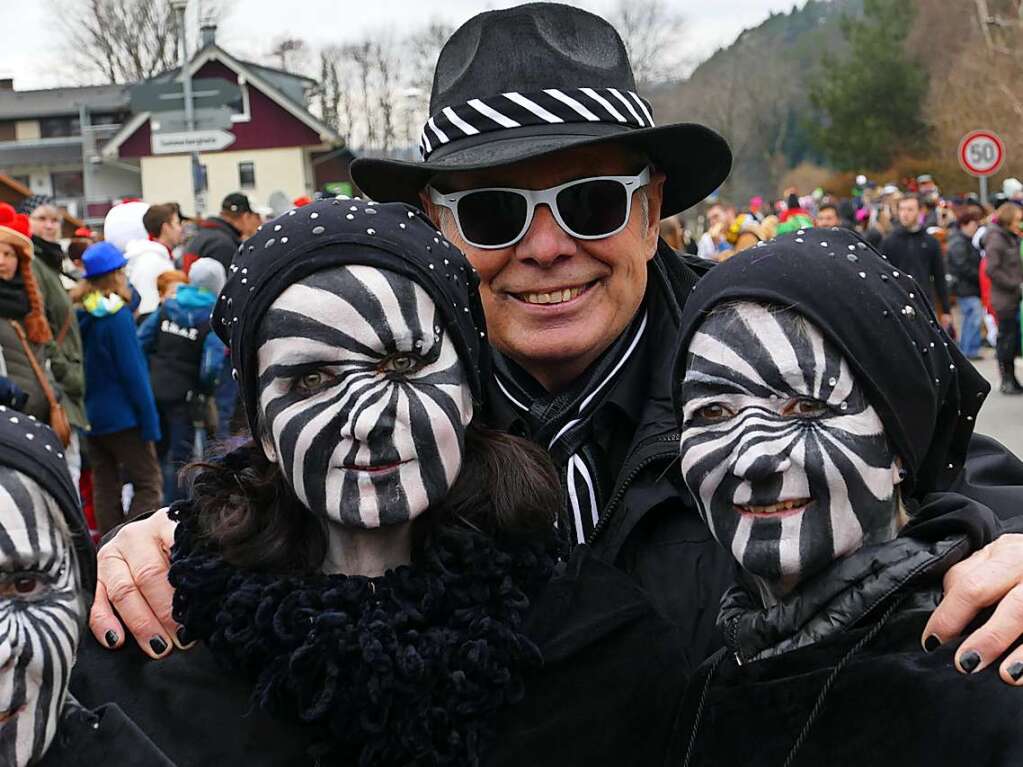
(268, 447)
(655, 197)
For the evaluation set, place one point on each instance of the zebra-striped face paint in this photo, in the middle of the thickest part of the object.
(363, 399)
(41, 617)
(788, 460)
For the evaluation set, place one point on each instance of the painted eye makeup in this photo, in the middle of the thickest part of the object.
(403, 363)
(713, 413)
(25, 585)
(313, 381)
(806, 407)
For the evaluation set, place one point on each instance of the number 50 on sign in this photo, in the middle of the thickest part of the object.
(981, 153)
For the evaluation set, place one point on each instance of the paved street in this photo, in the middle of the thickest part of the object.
(1001, 417)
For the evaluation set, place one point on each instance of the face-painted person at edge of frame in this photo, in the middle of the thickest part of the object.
(47, 576)
(825, 422)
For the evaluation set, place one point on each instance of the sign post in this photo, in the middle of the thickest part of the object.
(981, 153)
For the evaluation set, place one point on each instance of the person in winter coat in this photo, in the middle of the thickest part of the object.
(49, 576)
(918, 254)
(219, 236)
(151, 257)
(185, 359)
(964, 268)
(825, 421)
(66, 361)
(1005, 270)
(119, 400)
(22, 314)
(405, 555)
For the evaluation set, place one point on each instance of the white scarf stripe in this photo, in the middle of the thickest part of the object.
(493, 114)
(572, 104)
(604, 103)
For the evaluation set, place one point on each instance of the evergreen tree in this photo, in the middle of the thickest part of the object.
(868, 103)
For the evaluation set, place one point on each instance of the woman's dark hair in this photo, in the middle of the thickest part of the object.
(506, 486)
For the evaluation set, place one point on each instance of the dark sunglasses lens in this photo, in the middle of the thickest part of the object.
(593, 208)
(491, 217)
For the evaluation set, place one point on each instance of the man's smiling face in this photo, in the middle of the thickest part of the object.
(524, 287)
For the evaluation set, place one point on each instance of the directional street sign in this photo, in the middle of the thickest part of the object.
(194, 141)
(981, 153)
(170, 96)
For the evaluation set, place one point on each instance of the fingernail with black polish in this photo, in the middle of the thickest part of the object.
(932, 643)
(180, 633)
(969, 661)
(1016, 671)
(158, 645)
(110, 638)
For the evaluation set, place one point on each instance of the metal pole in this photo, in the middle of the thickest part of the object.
(983, 190)
(189, 111)
(88, 143)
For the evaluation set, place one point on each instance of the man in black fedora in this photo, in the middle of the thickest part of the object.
(543, 163)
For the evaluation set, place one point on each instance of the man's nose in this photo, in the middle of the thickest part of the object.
(545, 242)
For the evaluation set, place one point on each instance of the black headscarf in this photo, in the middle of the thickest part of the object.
(337, 232)
(925, 391)
(31, 447)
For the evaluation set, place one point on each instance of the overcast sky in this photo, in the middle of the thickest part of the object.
(29, 54)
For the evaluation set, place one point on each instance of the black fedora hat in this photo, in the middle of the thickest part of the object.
(524, 82)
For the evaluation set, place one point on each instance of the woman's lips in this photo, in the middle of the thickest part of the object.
(375, 469)
(777, 510)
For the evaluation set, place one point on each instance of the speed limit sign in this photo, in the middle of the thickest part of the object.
(981, 153)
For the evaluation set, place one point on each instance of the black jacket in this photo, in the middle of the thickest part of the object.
(882, 700)
(608, 658)
(1004, 267)
(919, 254)
(963, 265)
(217, 239)
(103, 736)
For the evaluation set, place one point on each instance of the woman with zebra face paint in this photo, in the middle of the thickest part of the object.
(825, 418)
(47, 576)
(360, 575)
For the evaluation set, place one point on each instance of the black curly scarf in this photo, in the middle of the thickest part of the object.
(405, 669)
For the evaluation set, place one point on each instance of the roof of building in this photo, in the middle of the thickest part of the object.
(54, 102)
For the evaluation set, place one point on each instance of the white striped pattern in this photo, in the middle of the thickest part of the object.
(551, 106)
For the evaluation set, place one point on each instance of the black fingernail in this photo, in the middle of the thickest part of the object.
(180, 633)
(969, 661)
(932, 643)
(1016, 671)
(158, 645)
(110, 638)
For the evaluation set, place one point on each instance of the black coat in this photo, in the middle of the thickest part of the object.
(103, 736)
(964, 265)
(918, 254)
(217, 239)
(612, 680)
(882, 700)
(1004, 267)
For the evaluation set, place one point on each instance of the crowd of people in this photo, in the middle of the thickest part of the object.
(507, 468)
(965, 253)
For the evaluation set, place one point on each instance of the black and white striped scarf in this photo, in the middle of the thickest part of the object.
(563, 423)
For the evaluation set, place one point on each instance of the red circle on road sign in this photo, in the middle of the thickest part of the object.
(981, 153)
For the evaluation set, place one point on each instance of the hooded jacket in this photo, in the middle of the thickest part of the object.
(837, 667)
(178, 344)
(147, 260)
(964, 265)
(1004, 268)
(118, 394)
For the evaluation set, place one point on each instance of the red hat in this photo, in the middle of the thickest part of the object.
(14, 229)
(300, 202)
(84, 231)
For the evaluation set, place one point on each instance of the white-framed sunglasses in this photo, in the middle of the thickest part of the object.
(586, 208)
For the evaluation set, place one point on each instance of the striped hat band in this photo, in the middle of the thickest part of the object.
(547, 107)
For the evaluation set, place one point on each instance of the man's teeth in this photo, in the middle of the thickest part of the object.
(554, 297)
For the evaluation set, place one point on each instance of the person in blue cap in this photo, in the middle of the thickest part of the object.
(119, 399)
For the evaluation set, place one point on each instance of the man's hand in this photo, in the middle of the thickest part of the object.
(993, 575)
(133, 581)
